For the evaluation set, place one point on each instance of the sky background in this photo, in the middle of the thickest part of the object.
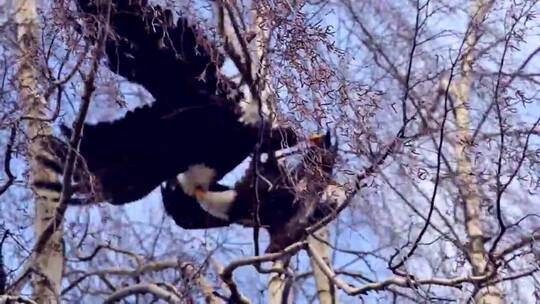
(129, 224)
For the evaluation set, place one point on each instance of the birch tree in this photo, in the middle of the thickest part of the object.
(433, 103)
(46, 280)
(466, 182)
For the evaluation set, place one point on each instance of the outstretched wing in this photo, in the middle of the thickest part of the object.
(192, 120)
(173, 61)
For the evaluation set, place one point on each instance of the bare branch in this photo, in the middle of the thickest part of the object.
(142, 288)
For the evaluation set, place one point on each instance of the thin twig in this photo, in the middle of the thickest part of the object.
(7, 160)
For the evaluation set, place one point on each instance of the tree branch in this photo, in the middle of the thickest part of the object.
(7, 160)
(143, 289)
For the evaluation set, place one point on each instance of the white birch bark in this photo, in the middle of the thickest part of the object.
(49, 264)
(467, 183)
(276, 284)
(276, 281)
(325, 289)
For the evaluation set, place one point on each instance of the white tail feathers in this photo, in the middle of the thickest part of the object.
(218, 204)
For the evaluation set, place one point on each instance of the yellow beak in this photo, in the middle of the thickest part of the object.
(199, 193)
(316, 138)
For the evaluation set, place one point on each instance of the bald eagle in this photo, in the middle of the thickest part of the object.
(195, 200)
(197, 117)
(173, 61)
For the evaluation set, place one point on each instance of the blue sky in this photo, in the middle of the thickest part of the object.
(358, 234)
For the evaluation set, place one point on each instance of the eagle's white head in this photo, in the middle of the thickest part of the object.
(250, 113)
(196, 177)
(196, 182)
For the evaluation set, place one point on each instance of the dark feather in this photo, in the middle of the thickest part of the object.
(191, 121)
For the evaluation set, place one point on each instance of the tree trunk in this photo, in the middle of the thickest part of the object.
(276, 281)
(466, 181)
(276, 284)
(49, 265)
(325, 288)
